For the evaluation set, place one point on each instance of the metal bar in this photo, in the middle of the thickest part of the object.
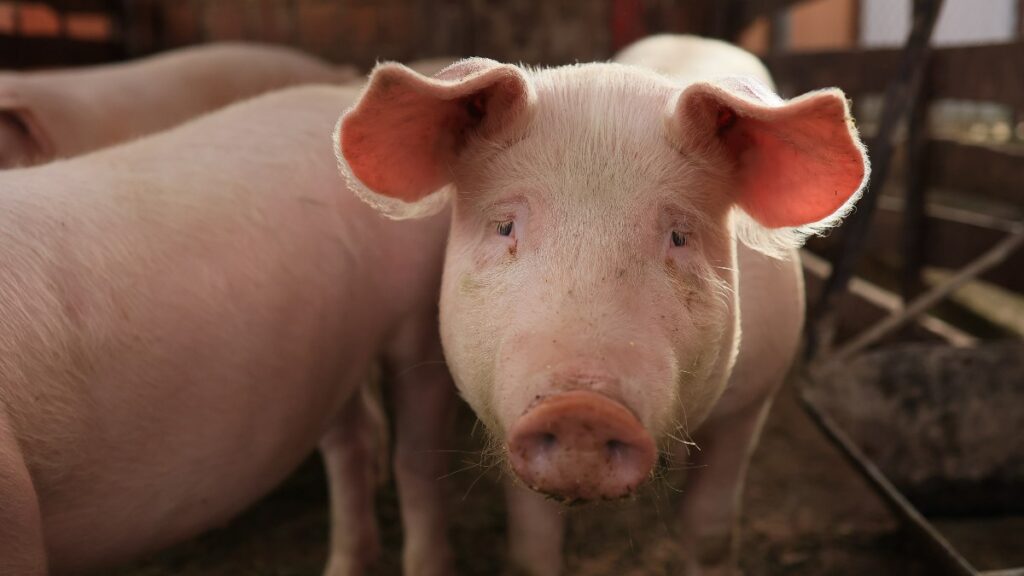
(914, 223)
(947, 559)
(900, 98)
(979, 266)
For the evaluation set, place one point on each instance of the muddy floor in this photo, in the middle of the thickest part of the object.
(806, 512)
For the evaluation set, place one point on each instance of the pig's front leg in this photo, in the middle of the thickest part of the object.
(536, 531)
(349, 451)
(711, 499)
(21, 530)
(424, 401)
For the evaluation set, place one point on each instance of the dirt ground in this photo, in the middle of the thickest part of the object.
(806, 512)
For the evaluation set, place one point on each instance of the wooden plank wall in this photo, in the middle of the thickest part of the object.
(363, 31)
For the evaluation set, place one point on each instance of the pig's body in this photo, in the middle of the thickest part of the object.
(63, 113)
(597, 301)
(691, 59)
(431, 66)
(183, 319)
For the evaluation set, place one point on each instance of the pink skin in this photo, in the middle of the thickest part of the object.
(591, 300)
(183, 319)
(63, 113)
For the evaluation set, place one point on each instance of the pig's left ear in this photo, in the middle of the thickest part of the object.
(796, 163)
(398, 144)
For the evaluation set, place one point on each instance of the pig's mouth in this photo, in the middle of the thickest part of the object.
(581, 446)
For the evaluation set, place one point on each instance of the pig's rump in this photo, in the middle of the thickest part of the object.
(185, 315)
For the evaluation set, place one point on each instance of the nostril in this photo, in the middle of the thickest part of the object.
(580, 446)
(615, 447)
(548, 440)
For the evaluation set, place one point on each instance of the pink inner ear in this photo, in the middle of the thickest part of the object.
(397, 146)
(798, 165)
(405, 133)
(798, 162)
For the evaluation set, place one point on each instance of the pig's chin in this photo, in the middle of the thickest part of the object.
(581, 446)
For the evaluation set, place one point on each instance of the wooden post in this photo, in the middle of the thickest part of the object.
(17, 32)
(628, 23)
(778, 35)
(731, 19)
(294, 34)
(141, 27)
(1018, 114)
(1020, 18)
(856, 23)
(900, 97)
(203, 13)
(63, 40)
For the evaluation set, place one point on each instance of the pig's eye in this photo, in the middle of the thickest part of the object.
(678, 239)
(505, 228)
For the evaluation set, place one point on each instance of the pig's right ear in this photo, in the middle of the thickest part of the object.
(398, 143)
(23, 141)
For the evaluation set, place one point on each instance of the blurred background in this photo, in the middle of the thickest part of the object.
(935, 399)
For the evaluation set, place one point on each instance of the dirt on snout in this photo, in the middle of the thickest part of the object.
(806, 512)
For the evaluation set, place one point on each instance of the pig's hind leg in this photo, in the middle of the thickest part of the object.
(22, 549)
(350, 451)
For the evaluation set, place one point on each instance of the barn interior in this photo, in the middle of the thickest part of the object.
(871, 461)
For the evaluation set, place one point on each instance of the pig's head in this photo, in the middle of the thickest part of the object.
(23, 141)
(588, 309)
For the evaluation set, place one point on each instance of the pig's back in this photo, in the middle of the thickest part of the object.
(692, 58)
(205, 300)
(89, 108)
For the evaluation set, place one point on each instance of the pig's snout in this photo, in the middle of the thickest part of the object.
(580, 446)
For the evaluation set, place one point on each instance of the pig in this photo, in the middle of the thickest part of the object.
(621, 282)
(185, 317)
(63, 113)
(431, 66)
(691, 59)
